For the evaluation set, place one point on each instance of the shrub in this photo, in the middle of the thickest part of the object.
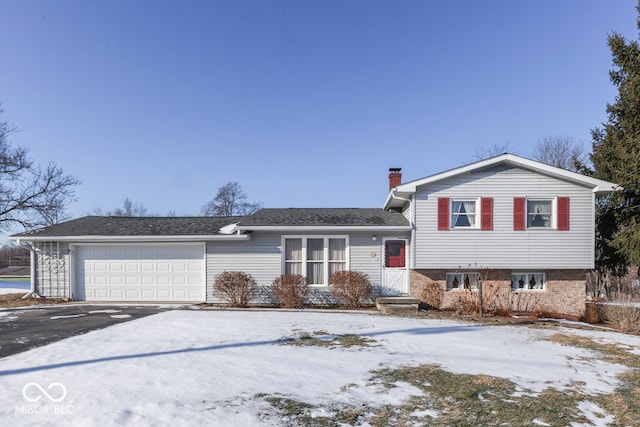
(622, 313)
(352, 288)
(235, 287)
(432, 294)
(290, 290)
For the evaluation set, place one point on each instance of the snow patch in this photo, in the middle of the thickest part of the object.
(68, 316)
(210, 367)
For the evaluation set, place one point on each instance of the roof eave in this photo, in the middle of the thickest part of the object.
(141, 239)
(598, 186)
(326, 228)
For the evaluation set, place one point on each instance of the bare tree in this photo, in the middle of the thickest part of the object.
(560, 151)
(229, 201)
(485, 152)
(30, 195)
(128, 208)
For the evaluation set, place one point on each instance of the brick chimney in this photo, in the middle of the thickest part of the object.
(395, 177)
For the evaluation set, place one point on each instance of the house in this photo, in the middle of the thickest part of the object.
(525, 226)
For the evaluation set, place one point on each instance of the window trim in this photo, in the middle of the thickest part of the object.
(325, 260)
(527, 274)
(560, 213)
(472, 287)
(477, 214)
(554, 213)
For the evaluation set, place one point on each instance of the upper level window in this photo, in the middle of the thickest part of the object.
(315, 257)
(462, 281)
(524, 281)
(467, 213)
(549, 213)
(463, 213)
(539, 213)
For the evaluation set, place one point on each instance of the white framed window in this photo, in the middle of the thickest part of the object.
(528, 281)
(463, 281)
(540, 213)
(464, 213)
(316, 257)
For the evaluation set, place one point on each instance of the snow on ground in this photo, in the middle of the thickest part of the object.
(187, 367)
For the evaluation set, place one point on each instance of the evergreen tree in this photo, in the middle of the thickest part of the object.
(616, 151)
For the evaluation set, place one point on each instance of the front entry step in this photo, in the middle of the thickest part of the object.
(397, 305)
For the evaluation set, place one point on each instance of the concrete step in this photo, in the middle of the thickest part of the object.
(397, 305)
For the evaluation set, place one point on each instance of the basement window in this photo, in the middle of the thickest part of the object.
(528, 281)
(462, 281)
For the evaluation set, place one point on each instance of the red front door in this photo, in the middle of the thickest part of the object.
(394, 253)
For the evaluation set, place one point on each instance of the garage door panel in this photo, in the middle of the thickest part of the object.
(141, 272)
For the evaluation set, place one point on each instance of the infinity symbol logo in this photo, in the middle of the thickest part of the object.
(37, 397)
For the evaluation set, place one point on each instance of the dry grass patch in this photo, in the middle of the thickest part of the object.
(448, 399)
(624, 402)
(15, 300)
(325, 339)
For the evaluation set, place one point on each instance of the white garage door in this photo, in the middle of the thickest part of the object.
(140, 273)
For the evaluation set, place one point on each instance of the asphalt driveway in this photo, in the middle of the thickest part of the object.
(24, 328)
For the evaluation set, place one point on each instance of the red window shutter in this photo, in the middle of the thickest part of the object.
(563, 213)
(519, 213)
(443, 213)
(487, 213)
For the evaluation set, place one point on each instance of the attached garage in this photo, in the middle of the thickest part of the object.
(140, 272)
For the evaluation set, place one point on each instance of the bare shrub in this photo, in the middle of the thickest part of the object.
(591, 313)
(352, 288)
(235, 287)
(432, 294)
(468, 302)
(622, 313)
(291, 290)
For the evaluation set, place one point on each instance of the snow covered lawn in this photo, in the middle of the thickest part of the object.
(212, 367)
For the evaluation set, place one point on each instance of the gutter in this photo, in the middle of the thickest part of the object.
(412, 214)
(324, 228)
(122, 239)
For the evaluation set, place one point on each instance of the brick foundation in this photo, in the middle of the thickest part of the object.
(564, 294)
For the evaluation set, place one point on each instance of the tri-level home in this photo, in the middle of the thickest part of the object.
(525, 226)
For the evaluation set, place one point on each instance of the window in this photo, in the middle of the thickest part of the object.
(462, 281)
(539, 213)
(316, 257)
(395, 254)
(527, 281)
(550, 213)
(471, 213)
(463, 214)
(293, 256)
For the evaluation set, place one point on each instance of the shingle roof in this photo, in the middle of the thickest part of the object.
(210, 226)
(328, 217)
(134, 226)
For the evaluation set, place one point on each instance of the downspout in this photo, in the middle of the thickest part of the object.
(413, 234)
(412, 215)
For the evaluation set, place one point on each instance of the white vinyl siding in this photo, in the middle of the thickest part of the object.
(262, 257)
(539, 249)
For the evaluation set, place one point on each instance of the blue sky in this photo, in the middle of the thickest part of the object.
(304, 103)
